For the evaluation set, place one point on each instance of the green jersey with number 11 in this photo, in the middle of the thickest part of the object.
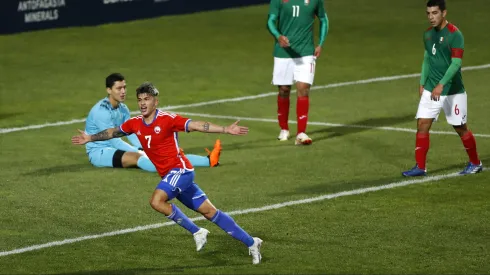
(296, 18)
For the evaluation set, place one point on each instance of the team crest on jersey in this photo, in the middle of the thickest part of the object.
(138, 133)
(285, 1)
(157, 129)
(307, 2)
(441, 40)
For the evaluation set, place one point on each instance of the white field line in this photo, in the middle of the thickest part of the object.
(236, 212)
(237, 99)
(326, 124)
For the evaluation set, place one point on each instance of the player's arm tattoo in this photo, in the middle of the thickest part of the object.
(108, 134)
(206, 126)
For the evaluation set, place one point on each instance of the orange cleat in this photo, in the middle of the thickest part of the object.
(215, 154)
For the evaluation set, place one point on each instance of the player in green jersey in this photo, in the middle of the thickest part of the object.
(441, 87)
(291, 24)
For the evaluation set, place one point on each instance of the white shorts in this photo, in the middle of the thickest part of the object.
(288, 70)
(454, 106)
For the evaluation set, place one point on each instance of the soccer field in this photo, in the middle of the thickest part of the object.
(339, 206)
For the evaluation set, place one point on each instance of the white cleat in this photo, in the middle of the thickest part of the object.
(201, 237)
(283, 135)
(302, 139)
(254, 250)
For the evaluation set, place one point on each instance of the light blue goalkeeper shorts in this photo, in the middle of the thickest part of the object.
(106, 157)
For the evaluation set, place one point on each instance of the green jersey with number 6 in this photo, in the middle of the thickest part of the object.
(441, 46)
(296, 18)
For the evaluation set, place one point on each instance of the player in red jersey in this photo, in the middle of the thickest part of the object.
(157, 132)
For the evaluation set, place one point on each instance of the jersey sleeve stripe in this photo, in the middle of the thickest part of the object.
(136, 117)
(187, 125)
(457, 53)
(120, 128)
(166, 114)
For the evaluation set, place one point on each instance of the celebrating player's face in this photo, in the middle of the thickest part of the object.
(435, 16)
(118, 91)
(147, 104)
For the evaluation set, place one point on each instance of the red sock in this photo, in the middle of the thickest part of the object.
(422, 143)
(283, 112)
(469, 143)
(302, 106)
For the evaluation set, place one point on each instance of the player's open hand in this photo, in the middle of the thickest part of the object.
(234, 129)
(318, 51)
(283, 41)
(81, 139)
(436, 93)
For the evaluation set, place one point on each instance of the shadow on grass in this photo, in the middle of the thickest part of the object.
(70, 168)
(9, 115)
(317, 135)
(358, 127)
(346, 185)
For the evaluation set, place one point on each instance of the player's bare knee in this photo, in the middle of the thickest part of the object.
(423, 125)
(304, 92)
(157, 200)
(303, 89)
(154, 203)
(284, 91)
(461, 129)
(210, 214)
(207, 210)
(130, 159)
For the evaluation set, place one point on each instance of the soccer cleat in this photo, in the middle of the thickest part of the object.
(415, 172)
(201, 237)
(254, 250)
(472, 169)
(215, 154)
(283, 135)
(302, 139)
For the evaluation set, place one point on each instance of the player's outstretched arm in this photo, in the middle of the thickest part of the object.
(207, 127)
(103, 135)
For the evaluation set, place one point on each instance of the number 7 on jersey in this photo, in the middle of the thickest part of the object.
(149, 140)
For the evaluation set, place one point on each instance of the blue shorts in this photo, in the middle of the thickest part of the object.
(179, 183)
(106, 157)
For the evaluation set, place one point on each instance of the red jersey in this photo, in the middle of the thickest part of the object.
(160, 140)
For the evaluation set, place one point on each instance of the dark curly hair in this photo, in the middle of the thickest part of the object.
(147, 88)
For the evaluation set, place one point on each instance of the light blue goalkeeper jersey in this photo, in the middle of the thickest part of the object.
(103, 116)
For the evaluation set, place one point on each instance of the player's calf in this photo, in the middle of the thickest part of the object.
(159, 202)
(283, 103)
(302, 110)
